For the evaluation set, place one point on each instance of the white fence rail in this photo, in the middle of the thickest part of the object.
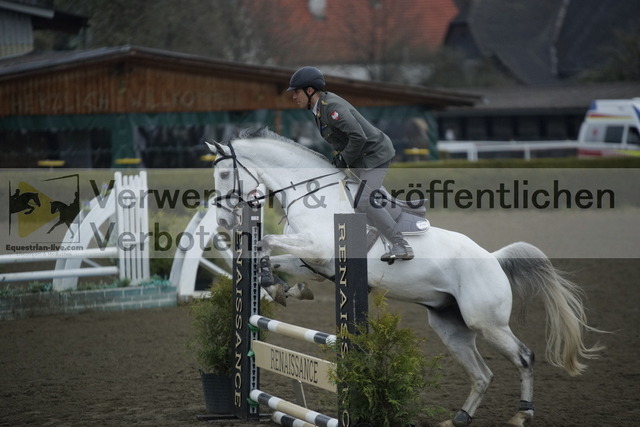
(472, 149)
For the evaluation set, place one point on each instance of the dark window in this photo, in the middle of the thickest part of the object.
(634, 136)
(613, 134)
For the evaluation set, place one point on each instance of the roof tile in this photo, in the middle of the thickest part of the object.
(359, 31)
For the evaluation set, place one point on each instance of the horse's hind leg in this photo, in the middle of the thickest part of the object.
(503, 340)
(461, 343)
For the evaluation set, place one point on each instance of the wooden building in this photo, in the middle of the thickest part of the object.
(528, 113)
(111, 106)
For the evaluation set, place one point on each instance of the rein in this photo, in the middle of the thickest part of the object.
(237, 184)
(293, 186)
(314, 271)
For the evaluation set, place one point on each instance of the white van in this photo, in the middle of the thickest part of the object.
(611, 124)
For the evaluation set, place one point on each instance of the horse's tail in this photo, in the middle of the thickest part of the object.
(531, 272)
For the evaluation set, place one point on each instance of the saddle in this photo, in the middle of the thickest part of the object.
(409, 216)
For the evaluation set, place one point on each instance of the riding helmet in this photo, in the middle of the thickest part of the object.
(307, 77)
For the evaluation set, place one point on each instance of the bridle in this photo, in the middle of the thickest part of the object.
(236, 192)
(258, 196)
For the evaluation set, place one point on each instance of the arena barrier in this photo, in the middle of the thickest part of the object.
(252, 354)
(186, 262)
(119, 213)
(126, 217)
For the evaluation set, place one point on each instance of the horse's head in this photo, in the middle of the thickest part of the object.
(234, 183)
(54, 207)
(27, 198)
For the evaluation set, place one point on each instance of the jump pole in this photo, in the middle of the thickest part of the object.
(292, 331)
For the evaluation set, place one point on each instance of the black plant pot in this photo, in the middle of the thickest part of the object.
(218, 393)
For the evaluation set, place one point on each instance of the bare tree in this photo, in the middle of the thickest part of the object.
(384, 36)
(222, 29)
(620, 62)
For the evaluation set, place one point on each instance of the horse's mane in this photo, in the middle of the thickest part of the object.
(266, 133)
(262, 132)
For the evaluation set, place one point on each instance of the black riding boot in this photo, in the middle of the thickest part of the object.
(400, 249)
(382, 220)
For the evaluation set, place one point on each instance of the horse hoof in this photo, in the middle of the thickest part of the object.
(300, 291)
(276, 292)
(305, 292)
(461, 419)
(521, 419)
(266, 280)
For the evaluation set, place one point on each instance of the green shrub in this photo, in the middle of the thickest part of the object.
(384, 372)
(214, 332)
(213, 328)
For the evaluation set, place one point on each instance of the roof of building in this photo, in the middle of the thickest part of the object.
(590, 27)
(41, 8)
(518, 36)
(339, 32)
(544, 41)
(21, 67)
(45, 17)
(526, 99)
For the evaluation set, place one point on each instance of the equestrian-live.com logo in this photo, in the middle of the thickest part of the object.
(44, 211)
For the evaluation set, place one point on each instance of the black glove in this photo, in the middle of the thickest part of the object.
(338, 161)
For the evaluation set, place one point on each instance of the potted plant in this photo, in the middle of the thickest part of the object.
(212, 345)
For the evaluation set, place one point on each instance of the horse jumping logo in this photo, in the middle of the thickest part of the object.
(33, 209)
(26, 202)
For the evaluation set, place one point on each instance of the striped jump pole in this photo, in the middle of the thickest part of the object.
(292, 331)
(287, 420)
(275, 403)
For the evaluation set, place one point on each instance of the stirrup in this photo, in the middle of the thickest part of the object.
(399, 250)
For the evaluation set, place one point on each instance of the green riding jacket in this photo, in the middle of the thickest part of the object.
(361, 144)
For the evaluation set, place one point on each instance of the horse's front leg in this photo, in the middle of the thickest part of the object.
(299, 273)
(54, 226)
(294, 267)
(298, 246)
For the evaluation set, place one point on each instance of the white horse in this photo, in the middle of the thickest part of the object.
(466, 289)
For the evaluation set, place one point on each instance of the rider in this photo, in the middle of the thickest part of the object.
(361, 147)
